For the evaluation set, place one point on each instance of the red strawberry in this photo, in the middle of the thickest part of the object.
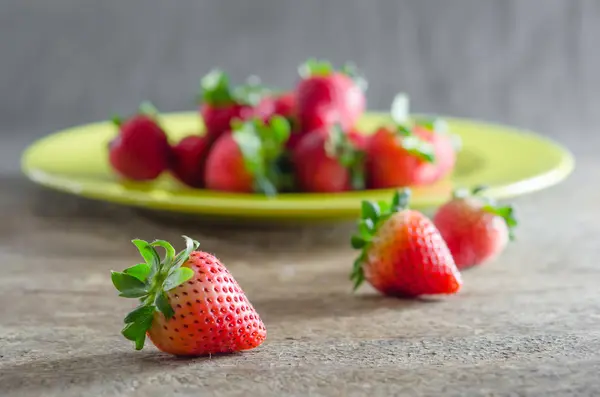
(190, 305)
(189, 160)
(474, 227)
(411, 153)
(222, 103)
(326, 160)
(358, 138)
(398, 158)
(402, 252)
(326, 97)
(141, 150)
(285, 105)
(246, 159)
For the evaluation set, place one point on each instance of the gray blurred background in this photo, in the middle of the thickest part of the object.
(530, 63)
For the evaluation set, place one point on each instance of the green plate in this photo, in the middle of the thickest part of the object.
(511, 162)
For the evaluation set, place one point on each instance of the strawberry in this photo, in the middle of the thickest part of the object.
(190, 305)
(327, 161)
(246, 159)
(402, 252)
(189, 159)
(222, 103)
(326, 97)
(475, 228)
(141, 150)
(410, 153)
(285, 105)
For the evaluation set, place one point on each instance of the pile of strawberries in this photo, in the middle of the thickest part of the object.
(304, 140)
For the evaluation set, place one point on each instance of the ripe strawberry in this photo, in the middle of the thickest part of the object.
(189, 160)
(246, 159)
(190, 305)
(410, 153)
(474, 227)
(141, 150)
(327, 161)
(402, 253)
(222, 103)
(285, 105)
(326, 97)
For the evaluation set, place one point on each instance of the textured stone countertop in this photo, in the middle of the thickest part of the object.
(528, 324)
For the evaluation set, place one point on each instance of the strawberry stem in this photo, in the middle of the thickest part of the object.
(215, 90)
(262, 147)
(372, 215)
(505, 212)
(149, 282)
(338, 146)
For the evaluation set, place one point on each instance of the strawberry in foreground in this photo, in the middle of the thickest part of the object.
(190, 305)
(246, 159)
(411, 153)
(475, 228)
(327, 161)
(189, 160)
(222, 103)
(140, 151)
(402, 252)
(326, 97)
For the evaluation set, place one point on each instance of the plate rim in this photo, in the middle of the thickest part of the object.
(288, 205)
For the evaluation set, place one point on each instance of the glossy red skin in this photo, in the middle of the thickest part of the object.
(474, 236)
(217, 119)
(189, 160)
(225, 168)
(315, 171)
(285, 105)
(212, 314)
(141, 151)
(323, 101)
(409, 258)
(389, 165)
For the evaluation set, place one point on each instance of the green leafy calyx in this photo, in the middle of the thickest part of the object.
(405, 129)
(146, 108)
(149, 281)
(373, 214)
(315, 67)
(216, 90)
(263, 146)
(506, 212)
(338, 146)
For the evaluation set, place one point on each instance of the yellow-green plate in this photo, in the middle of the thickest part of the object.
(511, 162)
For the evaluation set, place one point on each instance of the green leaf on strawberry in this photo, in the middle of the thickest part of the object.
(262, 146)
(338, 146)
(372, 215)
(315, 67)
(506, 212)
(410, 141)
(250, 93)
(215, 90)
(147, 108)
(149, 281)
